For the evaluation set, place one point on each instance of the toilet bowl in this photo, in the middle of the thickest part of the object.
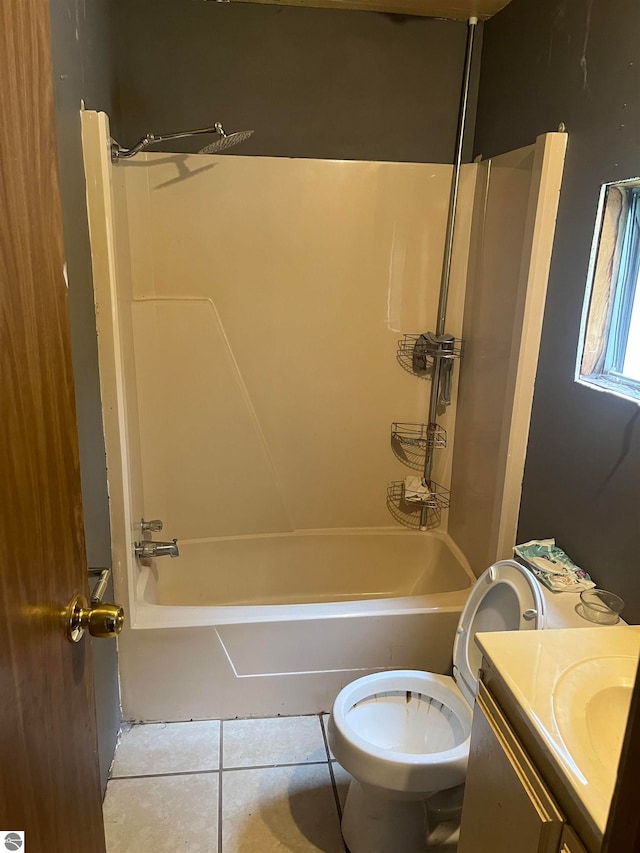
(404, 735)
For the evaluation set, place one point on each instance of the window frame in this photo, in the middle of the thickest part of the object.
(624, 291)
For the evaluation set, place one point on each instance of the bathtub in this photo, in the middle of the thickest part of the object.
(278, 624)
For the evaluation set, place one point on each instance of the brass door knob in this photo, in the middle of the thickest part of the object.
(101, 619)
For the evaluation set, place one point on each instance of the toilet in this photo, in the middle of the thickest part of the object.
(404, 735)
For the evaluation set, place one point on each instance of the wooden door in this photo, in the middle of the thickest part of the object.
(49, 781)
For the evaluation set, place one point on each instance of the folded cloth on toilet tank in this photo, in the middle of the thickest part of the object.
(552, 566)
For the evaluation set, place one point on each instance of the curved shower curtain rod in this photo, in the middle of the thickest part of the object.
(226, 140)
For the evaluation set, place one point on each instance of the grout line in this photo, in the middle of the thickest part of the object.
(331, 762)
(221, 746)
(158, 775)
(274, 766)
(333, 778)
(324, 738)
(269, 716)
(335, 792)
(222, 770)
(127, 725)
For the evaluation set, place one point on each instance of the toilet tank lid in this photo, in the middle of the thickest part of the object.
(524, 609)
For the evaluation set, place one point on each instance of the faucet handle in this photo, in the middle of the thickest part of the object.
(153, 526)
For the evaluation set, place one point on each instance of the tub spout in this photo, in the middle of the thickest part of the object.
(148, 549)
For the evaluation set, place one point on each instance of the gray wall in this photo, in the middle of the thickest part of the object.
(574, 61)
(82, 68)
(310, 82)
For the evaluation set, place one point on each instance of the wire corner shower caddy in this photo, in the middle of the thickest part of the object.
(425, 355)
(419, 436)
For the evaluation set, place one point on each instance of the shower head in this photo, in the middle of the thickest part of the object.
(225, 141)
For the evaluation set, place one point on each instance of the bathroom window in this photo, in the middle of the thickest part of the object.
(609, 354)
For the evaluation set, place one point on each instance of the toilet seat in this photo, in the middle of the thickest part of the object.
(506, 597)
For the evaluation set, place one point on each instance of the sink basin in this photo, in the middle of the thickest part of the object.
(574, 688)
(590, 705)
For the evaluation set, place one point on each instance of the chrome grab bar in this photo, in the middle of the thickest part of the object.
(100, 588)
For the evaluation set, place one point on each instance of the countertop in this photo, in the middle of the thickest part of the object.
(551, 675)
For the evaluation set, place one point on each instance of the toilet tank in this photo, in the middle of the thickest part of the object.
(560, 610)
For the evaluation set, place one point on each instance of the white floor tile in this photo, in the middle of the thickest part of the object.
(162, 814)
(279, 809)
(168, 748)
(280, 740)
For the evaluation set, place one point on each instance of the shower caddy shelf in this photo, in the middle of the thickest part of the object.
(438, 498)
(419, 436)
(408, 342)
(406, 348)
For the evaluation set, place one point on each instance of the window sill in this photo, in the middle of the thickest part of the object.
(620, 387)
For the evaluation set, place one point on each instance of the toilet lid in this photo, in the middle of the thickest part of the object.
(504, 598)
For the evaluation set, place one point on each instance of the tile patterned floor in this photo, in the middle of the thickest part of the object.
(237, 786)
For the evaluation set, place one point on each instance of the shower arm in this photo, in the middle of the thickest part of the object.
(118, 152)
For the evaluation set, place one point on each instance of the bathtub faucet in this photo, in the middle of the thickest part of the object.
(148, 549)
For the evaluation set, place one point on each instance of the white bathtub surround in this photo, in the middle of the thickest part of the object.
(327, 291)
(276, 329)
(263, 613)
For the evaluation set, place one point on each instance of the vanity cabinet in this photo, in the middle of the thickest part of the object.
(506, 805)
(570, 842)
(537, 778)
